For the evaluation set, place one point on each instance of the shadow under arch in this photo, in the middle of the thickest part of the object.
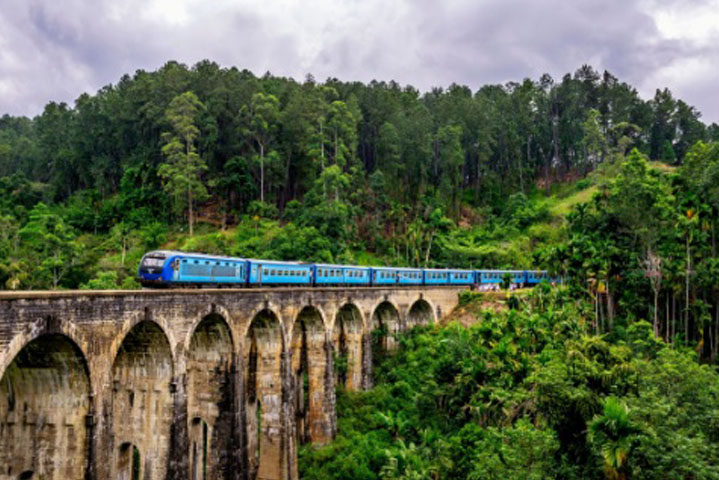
(142, 405)
(211, 400)
(420, 313)
(263, 351)
(384, 327)
(129, 462)
(44, 401)
(347, 344)
(312, 378)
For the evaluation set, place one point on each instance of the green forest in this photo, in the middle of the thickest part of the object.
(612, 375)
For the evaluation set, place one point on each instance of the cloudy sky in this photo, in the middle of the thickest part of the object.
(57, 49)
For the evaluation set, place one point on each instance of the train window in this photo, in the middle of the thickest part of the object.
(184, 260)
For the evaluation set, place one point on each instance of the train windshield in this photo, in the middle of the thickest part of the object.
(153, 261)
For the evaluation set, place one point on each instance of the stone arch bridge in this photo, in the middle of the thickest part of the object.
(187, 384)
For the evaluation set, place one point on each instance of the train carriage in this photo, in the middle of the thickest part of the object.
(326, 274)
(435, 276)
(537, 276)
(384, 275)
(461, 277)
(268, 272)
(489, 277)
(409, 276)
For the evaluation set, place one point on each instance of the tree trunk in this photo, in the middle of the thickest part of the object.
(429, 248)
(610, 306)
(716, 331)
(262, 173)
(189, 189)
(686, 295)
(191, 213)
(596, 313)
(667, 332)
(124, 250)
(674, 316)
(322, 147)
(656, 313)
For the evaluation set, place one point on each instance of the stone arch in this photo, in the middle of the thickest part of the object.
(263, 351)
(211, 393)
(44, 402)
(385, 326)
(312, 376)
(129, 462)
(347, 343)
(140, 318)
(420, 313)
(32, 331)
(216, 310)
(142, 405)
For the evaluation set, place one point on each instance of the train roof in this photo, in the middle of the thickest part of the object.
(414, 269)
(447, 270)
(171, 253)
(502, 271)
(336, 265)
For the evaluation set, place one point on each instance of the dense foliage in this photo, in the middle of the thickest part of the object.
(572, 383)
(529, 394)
(356, 172)
(645, 247)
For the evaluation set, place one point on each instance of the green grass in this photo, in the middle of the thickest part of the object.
(561, 207)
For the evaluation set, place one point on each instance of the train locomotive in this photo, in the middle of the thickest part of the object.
(167, 268)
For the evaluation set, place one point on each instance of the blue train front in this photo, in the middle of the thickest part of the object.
(167, 268)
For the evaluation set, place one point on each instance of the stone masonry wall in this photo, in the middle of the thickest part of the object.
(186, 384)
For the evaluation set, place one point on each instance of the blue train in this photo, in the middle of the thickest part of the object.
(165, 268)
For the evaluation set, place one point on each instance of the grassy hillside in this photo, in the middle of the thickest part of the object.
(504, 239)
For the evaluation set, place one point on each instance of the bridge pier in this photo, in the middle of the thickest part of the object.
(347, 346)
(202, 384)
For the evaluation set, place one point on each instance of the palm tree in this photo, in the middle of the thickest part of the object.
(612, 433)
